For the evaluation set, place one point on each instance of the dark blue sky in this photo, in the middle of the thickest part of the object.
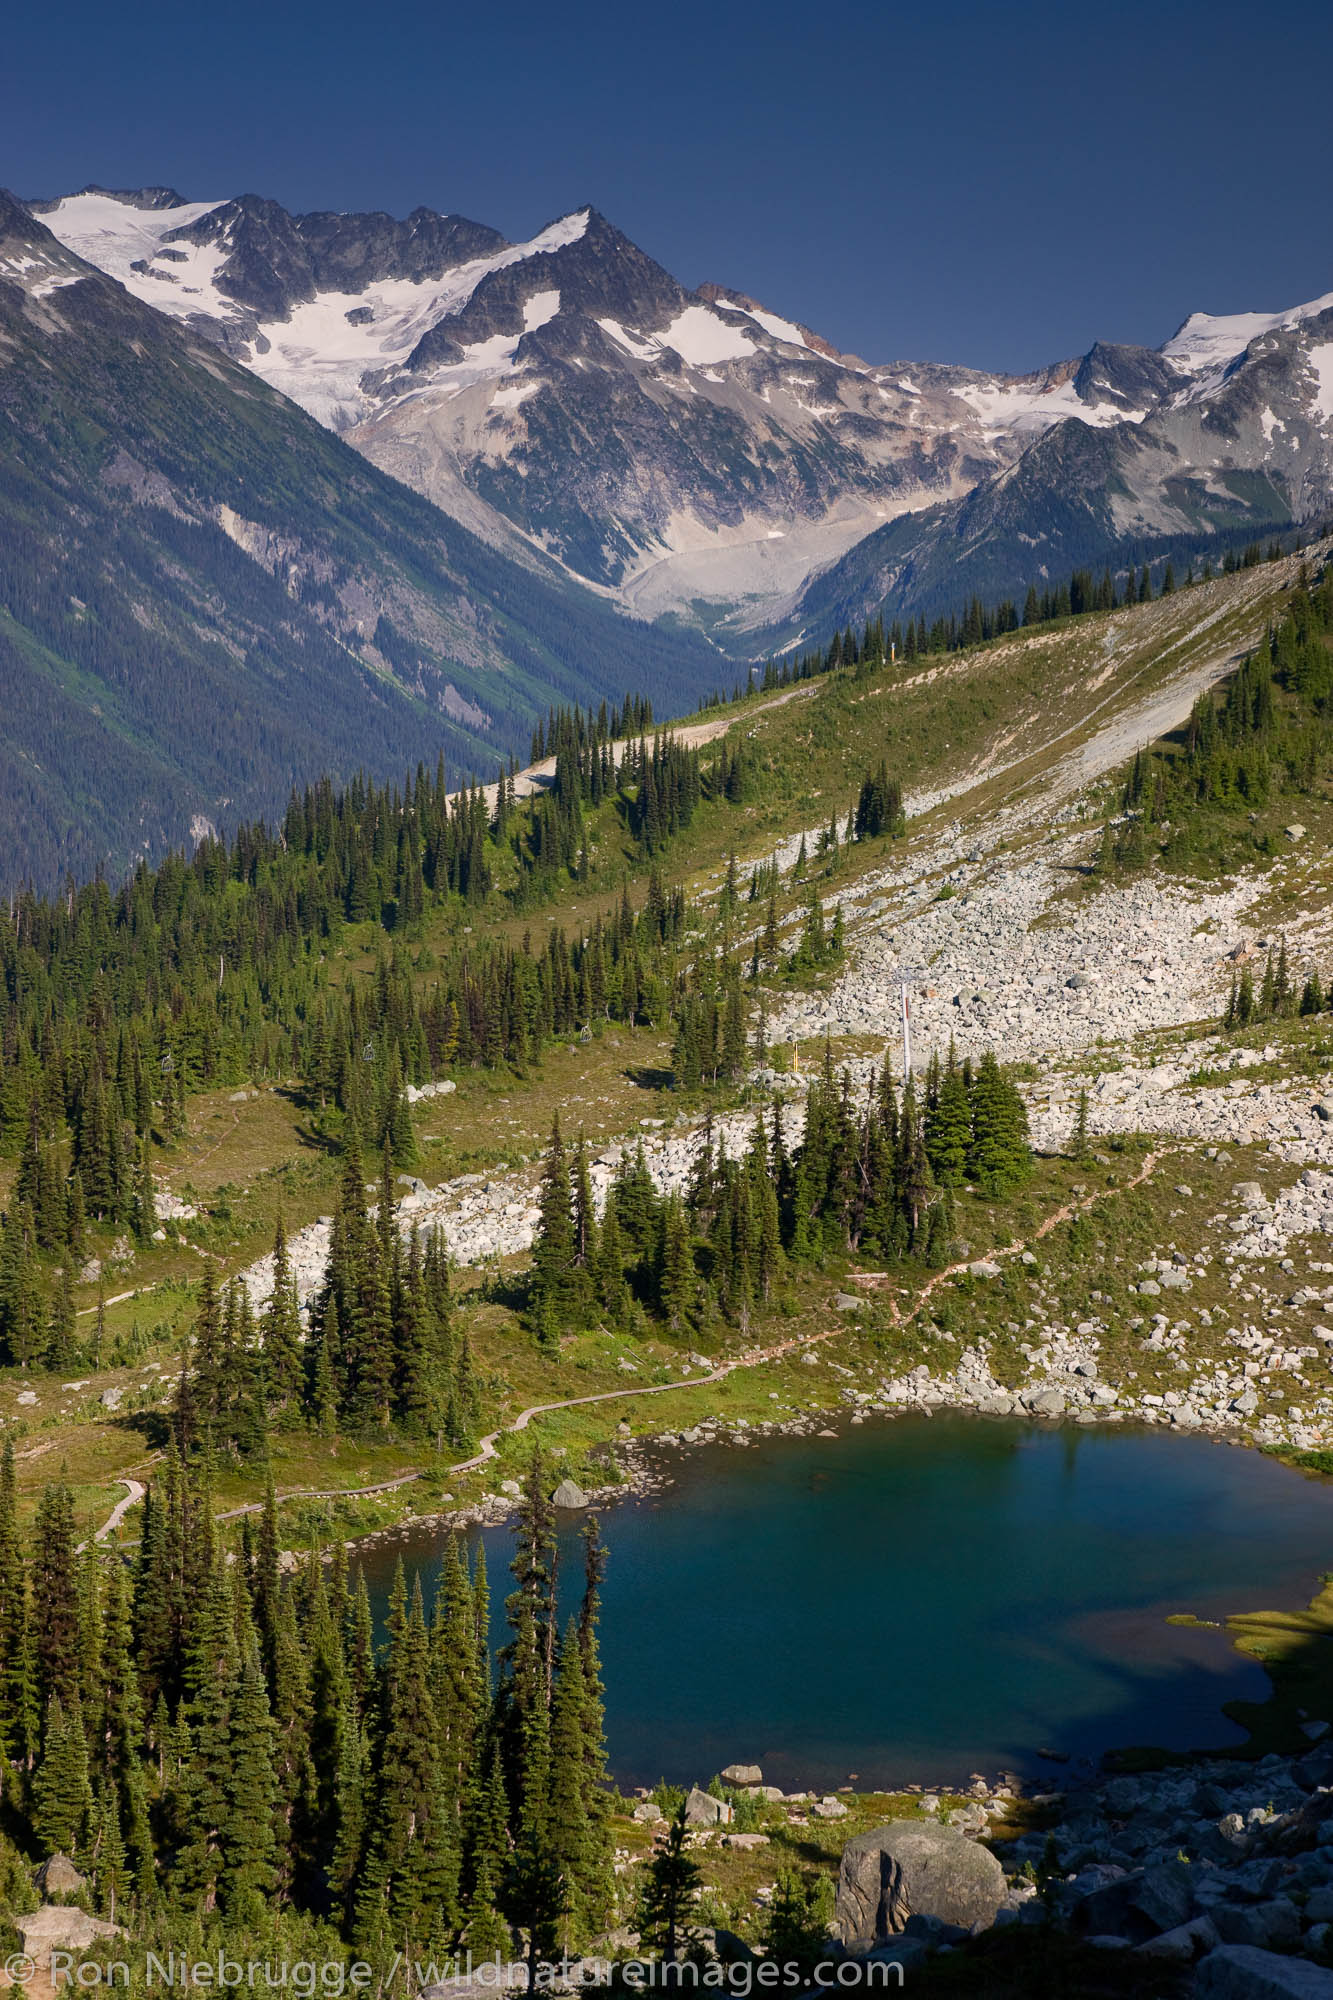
(981, 183)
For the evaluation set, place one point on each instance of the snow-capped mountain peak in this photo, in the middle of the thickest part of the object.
(333, 352)
(129, 242)
(677, 447)
(1210, 342)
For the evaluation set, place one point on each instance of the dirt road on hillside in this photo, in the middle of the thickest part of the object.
(536, 777)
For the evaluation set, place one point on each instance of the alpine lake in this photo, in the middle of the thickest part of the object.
(918, 1599)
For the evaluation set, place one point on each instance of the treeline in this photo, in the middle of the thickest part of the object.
(579, 728)
(93, 1114)
(115, 1007)
(212, 1743)
(1265, 735)
(876, 642)
(874, 1181)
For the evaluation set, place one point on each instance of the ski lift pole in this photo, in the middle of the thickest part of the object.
(908, 975)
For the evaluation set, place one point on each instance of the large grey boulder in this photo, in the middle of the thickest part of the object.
(1165, 1894)
(702, 1809)
(56, 1927)
(1047, 1403)
(1242, 1972)
(911, 1868)
(726, 1945)
(1140, 1905)
(569, 1494)
(907, 1952)
(59, 1877)
(1273, 1926)
(1183, 1945)
(742, 1774)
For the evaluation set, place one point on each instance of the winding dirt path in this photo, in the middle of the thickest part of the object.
(330, 1493)
(752, 1358)
(488, 1448)
(134, 1492)
(1053, 1221)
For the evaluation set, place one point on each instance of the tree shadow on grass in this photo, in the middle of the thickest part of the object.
(646, 1078)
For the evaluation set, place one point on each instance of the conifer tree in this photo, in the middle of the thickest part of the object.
(284, 1366)
(671, 1887)
(567, 1807)
(677, 1280)
(555, 1276)
(62, 1795)
(948, 1129)
(1078, 1145)
(733, 1035)
(110, 1866)
(18, 1696)
(249, 1849)
(610, 1287)
(596, 1882)
(55, 1599)
(585, 1216)
(1001, 1156)
(536, 1895)
(60, 1348)
(796, 1923)
(350, 1790)
(409, 1880)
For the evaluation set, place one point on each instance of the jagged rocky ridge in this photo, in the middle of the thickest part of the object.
(691, 451)
(206, 597)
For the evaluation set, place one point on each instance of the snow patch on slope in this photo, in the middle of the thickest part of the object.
(1021, 408)
(540, 308)
(320, 354)
(772, 323)
(39, 274)
(698, 335)
(115, 237)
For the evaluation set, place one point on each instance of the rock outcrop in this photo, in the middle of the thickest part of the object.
(702, 1809)
(907, 1868)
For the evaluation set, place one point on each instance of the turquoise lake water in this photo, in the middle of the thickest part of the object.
(922, 1598)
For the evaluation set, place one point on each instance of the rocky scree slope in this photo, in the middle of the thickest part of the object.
(1115, 993)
